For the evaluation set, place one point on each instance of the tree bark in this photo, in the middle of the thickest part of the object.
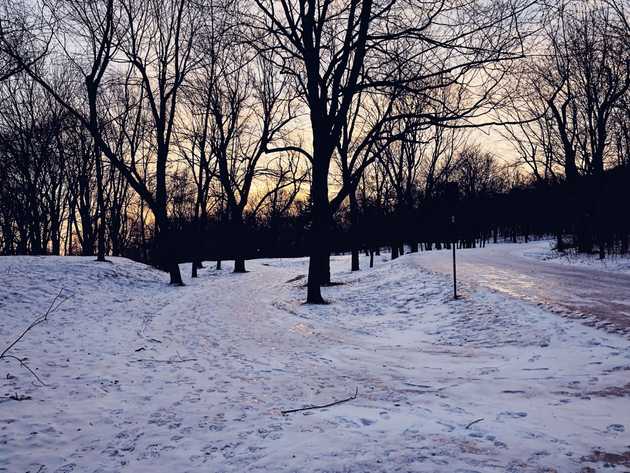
(239, 239)
(355, 260)
(319, 253)
(166, 248)
(100, 202)
(92, 92)
(354, 234)
(239, 265)
(325, 268)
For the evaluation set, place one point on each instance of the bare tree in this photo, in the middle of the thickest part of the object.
(156, 39)
(33, 149)
(16, 24)
(335, 49)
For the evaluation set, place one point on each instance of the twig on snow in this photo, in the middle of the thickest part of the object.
(181, 360)
(54, 305)
(15, 397)
(19, 397)
(37, 321)
(330, 404)
(22, 362)
(474, 422)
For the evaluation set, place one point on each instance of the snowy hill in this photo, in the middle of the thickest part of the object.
(141, 376)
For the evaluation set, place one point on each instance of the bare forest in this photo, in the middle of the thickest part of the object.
(180, 131)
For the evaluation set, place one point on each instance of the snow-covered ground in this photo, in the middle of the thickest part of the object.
(146, 377)
(545, 251)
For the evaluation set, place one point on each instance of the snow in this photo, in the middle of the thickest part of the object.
(597, 297)
(142, 376)
(545, 251)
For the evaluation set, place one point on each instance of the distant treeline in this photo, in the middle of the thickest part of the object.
(519, 214)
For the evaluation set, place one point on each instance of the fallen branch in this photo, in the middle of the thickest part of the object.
(330, 404)
(54, 305)
(182, 360)
(19, 397)
(474, 422)
(15, 397)
(22, 362)
(37, 321)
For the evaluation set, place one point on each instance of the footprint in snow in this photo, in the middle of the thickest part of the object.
(615, 428)
(67, 468)
(511, 415)
(449, 427)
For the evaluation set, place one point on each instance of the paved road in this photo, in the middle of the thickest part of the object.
(579, 290)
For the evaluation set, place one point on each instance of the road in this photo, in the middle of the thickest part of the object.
(603, 295)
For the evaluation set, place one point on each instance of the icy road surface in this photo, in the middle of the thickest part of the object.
(513, 269)
(143, 377)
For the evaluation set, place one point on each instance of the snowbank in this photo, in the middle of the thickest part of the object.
(545, 251)
(146, 377)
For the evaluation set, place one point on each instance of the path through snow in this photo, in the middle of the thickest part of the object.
(516, 270)
(146, 377)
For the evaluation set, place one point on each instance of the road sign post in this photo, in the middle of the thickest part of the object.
(451, 195)
(454, 259)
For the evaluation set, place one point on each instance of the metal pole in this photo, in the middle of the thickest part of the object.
(454, 261)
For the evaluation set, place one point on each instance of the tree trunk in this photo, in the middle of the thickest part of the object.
(100, 202)
(92, 91)
(355, 260)
(239, 265)
(325, 269)
(394, 250)
(174, 273)
(87, 243)
(56, 241)
(68, 243)
(599, 210)
(239, 229)
(218, 265)
(313, 293)
(166, 249)
(354, 215)
(143, 233)
(319, 253)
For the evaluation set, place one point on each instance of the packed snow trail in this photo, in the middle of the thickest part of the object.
(146, 377)
(513, 270)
